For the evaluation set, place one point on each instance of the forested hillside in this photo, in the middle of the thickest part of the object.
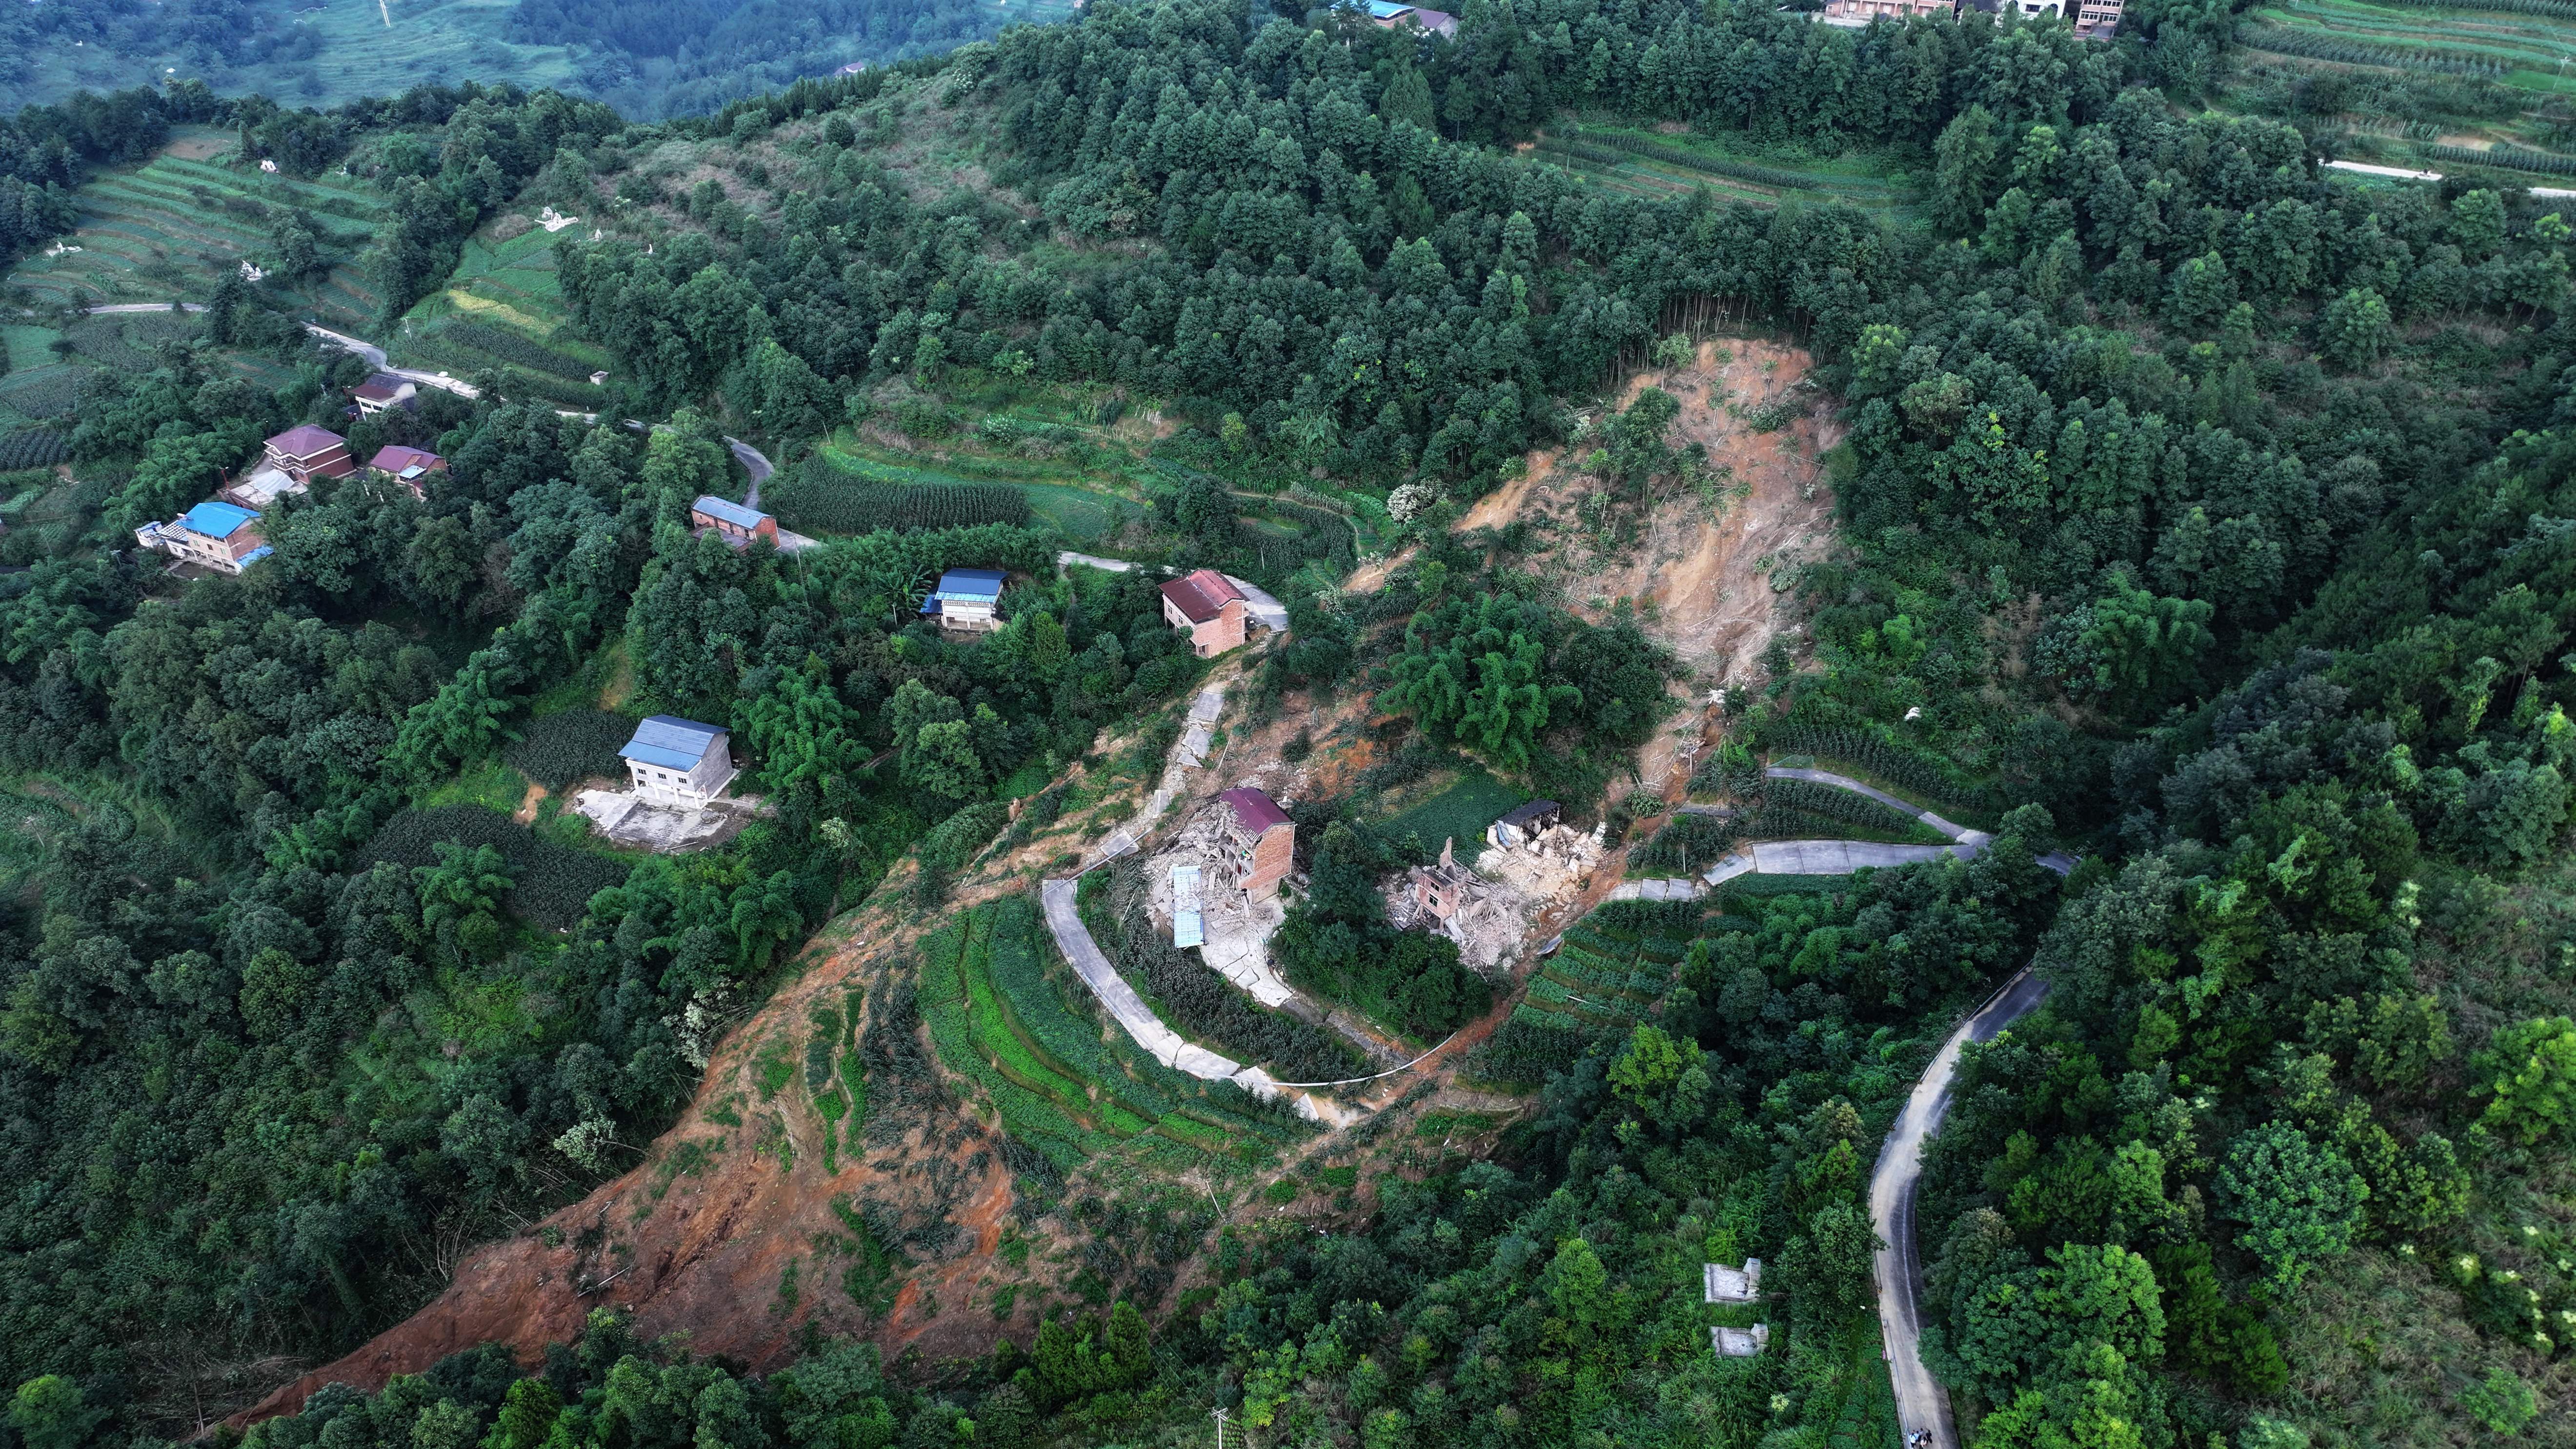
(2202, 513)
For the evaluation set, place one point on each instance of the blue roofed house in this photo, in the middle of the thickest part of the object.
(221, 536)
(678, 761)
(968, 599)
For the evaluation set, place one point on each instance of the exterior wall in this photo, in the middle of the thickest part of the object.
(1217, 635)
(332, 462)
(1173, 616)
(974, 618)
(220, 554)
(714, 771)
(1894, 9)
(1272, 856)
(402, 398)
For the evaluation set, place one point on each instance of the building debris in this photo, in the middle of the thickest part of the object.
(1732, 1285)
(1739, 1342)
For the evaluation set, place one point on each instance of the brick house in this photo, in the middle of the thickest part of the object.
(1209, 607)
(408, 466)
(731, 521)
(1263, 836)
(221, 536)
(308, 452)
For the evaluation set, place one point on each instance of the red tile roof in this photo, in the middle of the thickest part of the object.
(305, 441)
(1202, 595)
(395, 457)
(1253, 809)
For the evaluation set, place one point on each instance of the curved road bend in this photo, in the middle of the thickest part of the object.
(1921, 1403)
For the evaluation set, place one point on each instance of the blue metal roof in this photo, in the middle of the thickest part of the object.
(971, 584)
(255, 555)
(966, 586)
(671, 742)
(217, 520)
(1385, 10)
(733, 513)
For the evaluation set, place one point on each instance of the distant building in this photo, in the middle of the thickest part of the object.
(408, 466)
(1524, 824)
(678, 761)
(2094, 19)
(730, 521)
(1263, 837)
(224, 537)
(382, 391)
(1209, 607)
(968, 599)
(308, 452)
(1854, 14)
(1391, 16)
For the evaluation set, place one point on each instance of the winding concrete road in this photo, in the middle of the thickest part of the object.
(1921, 1403)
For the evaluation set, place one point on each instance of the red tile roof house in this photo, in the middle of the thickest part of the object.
(1262, 832)
(408, 466)
(308, 452)
(383, 390)
(731, 521)
(1210, 608)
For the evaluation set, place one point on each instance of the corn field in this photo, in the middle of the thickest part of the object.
(2308, 45)
(33, 448)
(2512, 158)
(821, 498)
(2555, 9)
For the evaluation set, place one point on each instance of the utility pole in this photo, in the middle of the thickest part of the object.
(1219, 1416)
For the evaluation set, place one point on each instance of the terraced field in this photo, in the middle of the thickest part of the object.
(365, 49)
(2525, 51)
(992, 992)
(504, 309)
(172, 227)
(1614, 964)
(1652, 164)
(1079, 512)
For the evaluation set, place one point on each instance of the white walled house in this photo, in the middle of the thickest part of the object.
(679, 762)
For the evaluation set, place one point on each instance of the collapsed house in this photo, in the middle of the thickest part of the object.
(1216, 887)
(1535, 853)
(1487, 919)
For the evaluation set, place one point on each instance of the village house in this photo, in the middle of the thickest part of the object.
(967, 599)
(679, 762)
(1263, 839)
(408, 466)
(382, 391)
(732, 522)
(1388, 15)
(221, 536)
(1209, 608)
(308, 452)
(2092, 19)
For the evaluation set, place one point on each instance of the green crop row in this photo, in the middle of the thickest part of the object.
(2311, 45)
(2512, 158)
(1722, 166)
